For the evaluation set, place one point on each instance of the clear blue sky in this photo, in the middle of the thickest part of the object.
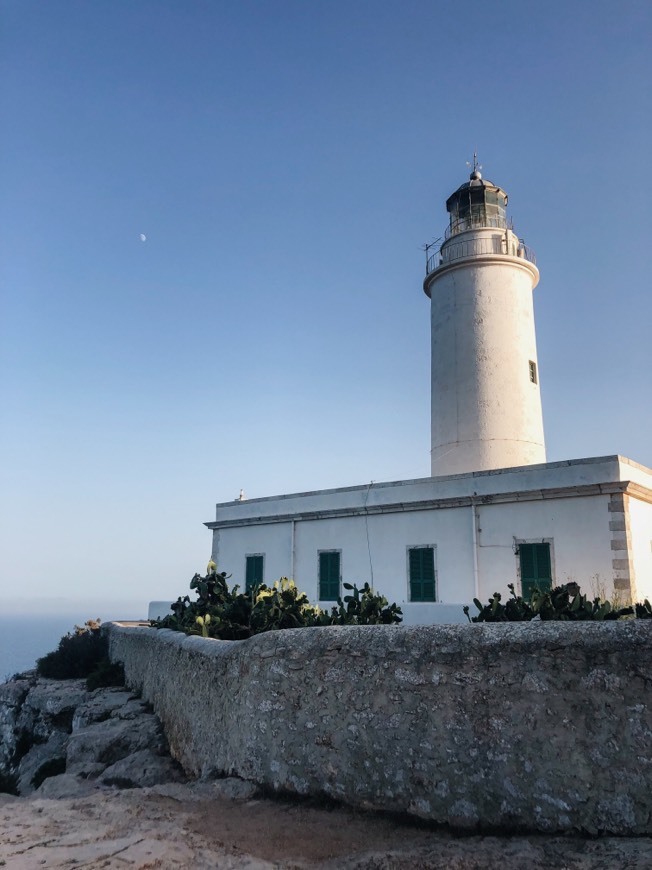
(286, 161)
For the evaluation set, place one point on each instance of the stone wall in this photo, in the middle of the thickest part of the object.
(538, 726)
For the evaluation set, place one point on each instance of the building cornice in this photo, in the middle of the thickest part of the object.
(635, 490)
(642, 493)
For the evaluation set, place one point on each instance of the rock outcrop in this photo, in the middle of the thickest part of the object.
(60, 740)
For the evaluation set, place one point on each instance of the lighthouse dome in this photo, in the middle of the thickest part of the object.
(476, 203)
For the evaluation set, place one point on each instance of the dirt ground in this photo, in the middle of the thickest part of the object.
(196, 826)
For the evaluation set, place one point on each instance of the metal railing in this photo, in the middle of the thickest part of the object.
(448, 253)
(527, 252)
(471, 222)
(432, 262)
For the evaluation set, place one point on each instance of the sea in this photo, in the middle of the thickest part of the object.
(25, 635)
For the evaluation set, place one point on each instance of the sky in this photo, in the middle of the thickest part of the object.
(211, 230)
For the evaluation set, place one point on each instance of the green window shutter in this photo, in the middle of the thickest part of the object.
(253, 572)
(422, 573)
(329, 576)
(536, 568)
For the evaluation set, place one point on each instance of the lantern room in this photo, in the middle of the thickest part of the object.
(478, 203)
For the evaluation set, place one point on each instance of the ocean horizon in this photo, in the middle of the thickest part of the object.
(26, 635)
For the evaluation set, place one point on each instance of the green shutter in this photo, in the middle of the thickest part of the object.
(526, 554)
(422, 573)
(253, 572)
(536, 570)
(329, 576)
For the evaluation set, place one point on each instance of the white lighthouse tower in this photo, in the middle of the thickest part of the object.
(486, 403)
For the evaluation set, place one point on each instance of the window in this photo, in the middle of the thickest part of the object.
(253, 571)
(329, 575)
(536, 568)
(421, 565)
(533, 372)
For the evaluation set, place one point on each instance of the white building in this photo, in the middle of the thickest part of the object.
(493, 512)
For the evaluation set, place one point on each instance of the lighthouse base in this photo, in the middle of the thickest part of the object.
(460, 457)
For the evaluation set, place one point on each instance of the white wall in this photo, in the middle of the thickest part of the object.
(580, 541)
(485, 410)
(640, 524)
(566, 503)
(577, 527)
(232, 545)
(389, 537)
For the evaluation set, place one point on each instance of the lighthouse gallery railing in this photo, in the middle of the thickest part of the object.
(452, 251)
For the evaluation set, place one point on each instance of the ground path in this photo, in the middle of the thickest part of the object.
(198, 826)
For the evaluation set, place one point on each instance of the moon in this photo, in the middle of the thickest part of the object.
(143, 237)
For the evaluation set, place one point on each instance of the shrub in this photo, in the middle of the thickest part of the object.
(281, 606)
(77, 655)
(106, 674)
(229, 614)
(644, 610)
(563, 603)
(363, 607)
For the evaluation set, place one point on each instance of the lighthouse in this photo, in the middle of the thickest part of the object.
(486, 400)
(492, 513)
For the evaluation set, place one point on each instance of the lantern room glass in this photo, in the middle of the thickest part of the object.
(476, 206)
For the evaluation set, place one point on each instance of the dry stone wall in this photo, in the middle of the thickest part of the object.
(539, 727)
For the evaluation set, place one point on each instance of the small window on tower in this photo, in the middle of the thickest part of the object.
(533, 372)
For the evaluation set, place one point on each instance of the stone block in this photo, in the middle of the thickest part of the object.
(622, 584)
(40, 759)
(52, 698)
(109, 741)
(86, 769)
(65, 785)
(140, 769)
(110, 725)
(99, 706)
(233, 788)
(622, 564)
(12, 696)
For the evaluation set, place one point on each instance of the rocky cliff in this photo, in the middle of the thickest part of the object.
(60, 740)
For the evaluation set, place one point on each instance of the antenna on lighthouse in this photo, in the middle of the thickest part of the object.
(427, 245)
(476, 167)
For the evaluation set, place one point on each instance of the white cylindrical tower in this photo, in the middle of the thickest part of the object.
(486, 402)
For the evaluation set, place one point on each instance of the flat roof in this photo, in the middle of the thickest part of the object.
(585, 476)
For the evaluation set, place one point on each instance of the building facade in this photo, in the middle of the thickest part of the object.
(433, 544)
(493, 512)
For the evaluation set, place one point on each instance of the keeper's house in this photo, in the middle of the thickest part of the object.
(434, 544)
